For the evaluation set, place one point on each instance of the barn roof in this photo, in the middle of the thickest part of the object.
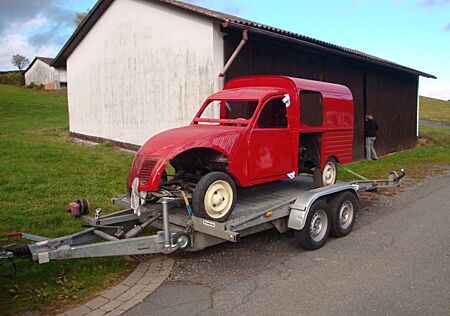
(46, 60)
(233, 21)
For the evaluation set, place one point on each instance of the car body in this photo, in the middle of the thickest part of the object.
(254, 154)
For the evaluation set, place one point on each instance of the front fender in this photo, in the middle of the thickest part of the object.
(149, 170)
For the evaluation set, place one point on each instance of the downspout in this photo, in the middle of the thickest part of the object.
(232, 57)
(418, 108)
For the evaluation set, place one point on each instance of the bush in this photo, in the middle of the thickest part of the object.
(13, 78)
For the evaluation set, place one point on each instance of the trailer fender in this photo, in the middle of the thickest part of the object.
(302, 204)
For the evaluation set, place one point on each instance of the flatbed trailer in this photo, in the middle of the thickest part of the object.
(285, 205)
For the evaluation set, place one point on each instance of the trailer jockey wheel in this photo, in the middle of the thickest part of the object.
(182, 239)
(317, 227)
(327, 176)
(214, 196)
(343, 213)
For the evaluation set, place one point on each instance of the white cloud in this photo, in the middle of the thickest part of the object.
(439, 89)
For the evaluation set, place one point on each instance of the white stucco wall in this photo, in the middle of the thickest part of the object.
(143, 68)
(39, 73)
(42, 73)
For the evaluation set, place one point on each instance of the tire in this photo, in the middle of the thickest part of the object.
(327, 176)
(343, 213)
(315, 233)
(214, 196)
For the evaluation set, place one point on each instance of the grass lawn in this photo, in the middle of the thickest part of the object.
(433, 152)
(40, 172)
(434, 110)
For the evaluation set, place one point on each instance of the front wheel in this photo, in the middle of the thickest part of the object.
(327, 176)
(214, 196)
(317, 227)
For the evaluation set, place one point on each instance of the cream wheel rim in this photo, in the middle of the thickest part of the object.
(329, 174)
(218, 199)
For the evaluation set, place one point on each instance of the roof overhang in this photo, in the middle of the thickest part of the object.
(235, 22)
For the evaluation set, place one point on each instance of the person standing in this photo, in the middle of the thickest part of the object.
(370, 133)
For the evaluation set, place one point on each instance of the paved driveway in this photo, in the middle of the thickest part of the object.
(396, 264)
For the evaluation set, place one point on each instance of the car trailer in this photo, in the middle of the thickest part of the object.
(313, 214)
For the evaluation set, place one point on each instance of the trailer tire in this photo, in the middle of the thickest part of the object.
(343, 213)
(317, 227)
(327, 176)
(214, 196)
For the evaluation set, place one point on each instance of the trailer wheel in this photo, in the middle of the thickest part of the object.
(327, 176)
(317, 227)
(343, 213)
(214, 196)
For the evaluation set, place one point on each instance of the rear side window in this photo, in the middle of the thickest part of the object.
(311, 108)
(274, 115)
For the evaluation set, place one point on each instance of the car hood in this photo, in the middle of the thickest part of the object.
(170, 143)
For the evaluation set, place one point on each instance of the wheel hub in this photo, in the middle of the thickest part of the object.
(329, 174)
(346, 214)
(218, 199)
(319, 224)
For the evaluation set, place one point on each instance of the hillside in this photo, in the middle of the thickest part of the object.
(434, 110)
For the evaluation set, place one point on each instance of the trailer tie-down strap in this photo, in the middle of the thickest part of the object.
(353, 173)
(186, 201)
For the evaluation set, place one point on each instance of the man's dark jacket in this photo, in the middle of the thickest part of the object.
(370, 128)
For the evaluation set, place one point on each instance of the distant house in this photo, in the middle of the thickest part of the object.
(40, 72)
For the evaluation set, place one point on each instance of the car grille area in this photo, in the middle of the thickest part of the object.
(142, 168)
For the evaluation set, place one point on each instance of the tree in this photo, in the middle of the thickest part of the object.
(79, 17)
(20, 61)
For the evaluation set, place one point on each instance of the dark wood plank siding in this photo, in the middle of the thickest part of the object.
(267, 57)
(392, 99)
(381, 92)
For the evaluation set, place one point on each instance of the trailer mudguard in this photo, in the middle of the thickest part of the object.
(302, 204)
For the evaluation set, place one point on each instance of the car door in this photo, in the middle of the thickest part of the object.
(270, 152)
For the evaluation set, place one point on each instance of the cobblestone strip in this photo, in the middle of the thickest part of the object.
(138, 285)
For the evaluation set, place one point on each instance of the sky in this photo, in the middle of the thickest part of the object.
(413, 33)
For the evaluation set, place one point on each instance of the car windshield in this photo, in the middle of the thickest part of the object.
(217, 110)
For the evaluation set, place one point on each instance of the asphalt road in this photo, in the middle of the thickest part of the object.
(398, 263)
(434, 124)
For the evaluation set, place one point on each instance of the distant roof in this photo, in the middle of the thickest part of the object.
(233, 21)
(46, 60)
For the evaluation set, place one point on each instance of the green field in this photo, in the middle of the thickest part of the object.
(41, 170)
(434, 110)
(432, 154)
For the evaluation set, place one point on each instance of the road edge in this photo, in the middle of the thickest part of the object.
(143, 281)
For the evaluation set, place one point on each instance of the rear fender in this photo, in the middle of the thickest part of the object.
(300, 208)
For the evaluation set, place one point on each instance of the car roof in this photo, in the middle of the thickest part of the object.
(286, 83)
(247, 93)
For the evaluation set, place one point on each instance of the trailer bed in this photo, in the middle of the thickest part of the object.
(268, 196)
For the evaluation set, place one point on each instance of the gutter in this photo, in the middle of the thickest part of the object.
(325, 49)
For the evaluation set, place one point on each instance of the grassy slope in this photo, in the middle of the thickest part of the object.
(40, 172)
(434, 110)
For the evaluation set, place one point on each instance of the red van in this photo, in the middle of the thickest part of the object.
(256, 130)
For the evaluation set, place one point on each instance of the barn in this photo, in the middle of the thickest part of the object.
(40, 72)
(138, 67)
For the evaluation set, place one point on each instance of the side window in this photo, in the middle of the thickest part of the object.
(274, 115)
(311, 108)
